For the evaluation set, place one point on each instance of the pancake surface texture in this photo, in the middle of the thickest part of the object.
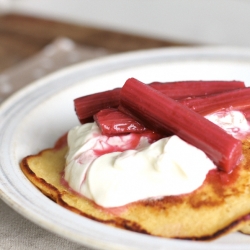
(221, 205)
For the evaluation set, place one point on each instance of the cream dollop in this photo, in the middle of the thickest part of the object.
(168, 166)
(232, 121)
(86, 143)
(113, 171)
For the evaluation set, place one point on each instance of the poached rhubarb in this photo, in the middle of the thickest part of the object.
(184, 89)
(160, 113)
(236, 99)
(87, 106)
(112, 121)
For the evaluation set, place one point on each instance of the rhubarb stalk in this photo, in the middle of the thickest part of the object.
(235, 99)
(160, 113)
(112, 121)
(184, 89)
(87, 106)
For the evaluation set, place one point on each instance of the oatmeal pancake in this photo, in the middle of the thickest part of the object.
(221, 205)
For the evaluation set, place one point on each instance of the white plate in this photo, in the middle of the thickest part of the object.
(35, 117)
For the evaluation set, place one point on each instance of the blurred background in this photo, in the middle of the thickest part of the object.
(194, 21)
(38, 37)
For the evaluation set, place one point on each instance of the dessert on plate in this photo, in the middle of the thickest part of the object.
(170, 160)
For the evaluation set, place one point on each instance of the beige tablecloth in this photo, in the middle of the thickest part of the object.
(17, 232)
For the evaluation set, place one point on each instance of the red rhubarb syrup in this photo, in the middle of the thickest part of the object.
(131, 143)
(61, 142)
(220, 178)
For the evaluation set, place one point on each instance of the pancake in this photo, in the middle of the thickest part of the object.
(220, 206)
(245, 229)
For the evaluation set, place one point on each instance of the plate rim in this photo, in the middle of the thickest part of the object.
(112, 61)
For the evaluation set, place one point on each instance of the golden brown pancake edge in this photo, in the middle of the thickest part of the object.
(205, 214)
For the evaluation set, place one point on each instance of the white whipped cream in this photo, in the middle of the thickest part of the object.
(84, 143)
(232, 121)
(169, 166)
(166, 167)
